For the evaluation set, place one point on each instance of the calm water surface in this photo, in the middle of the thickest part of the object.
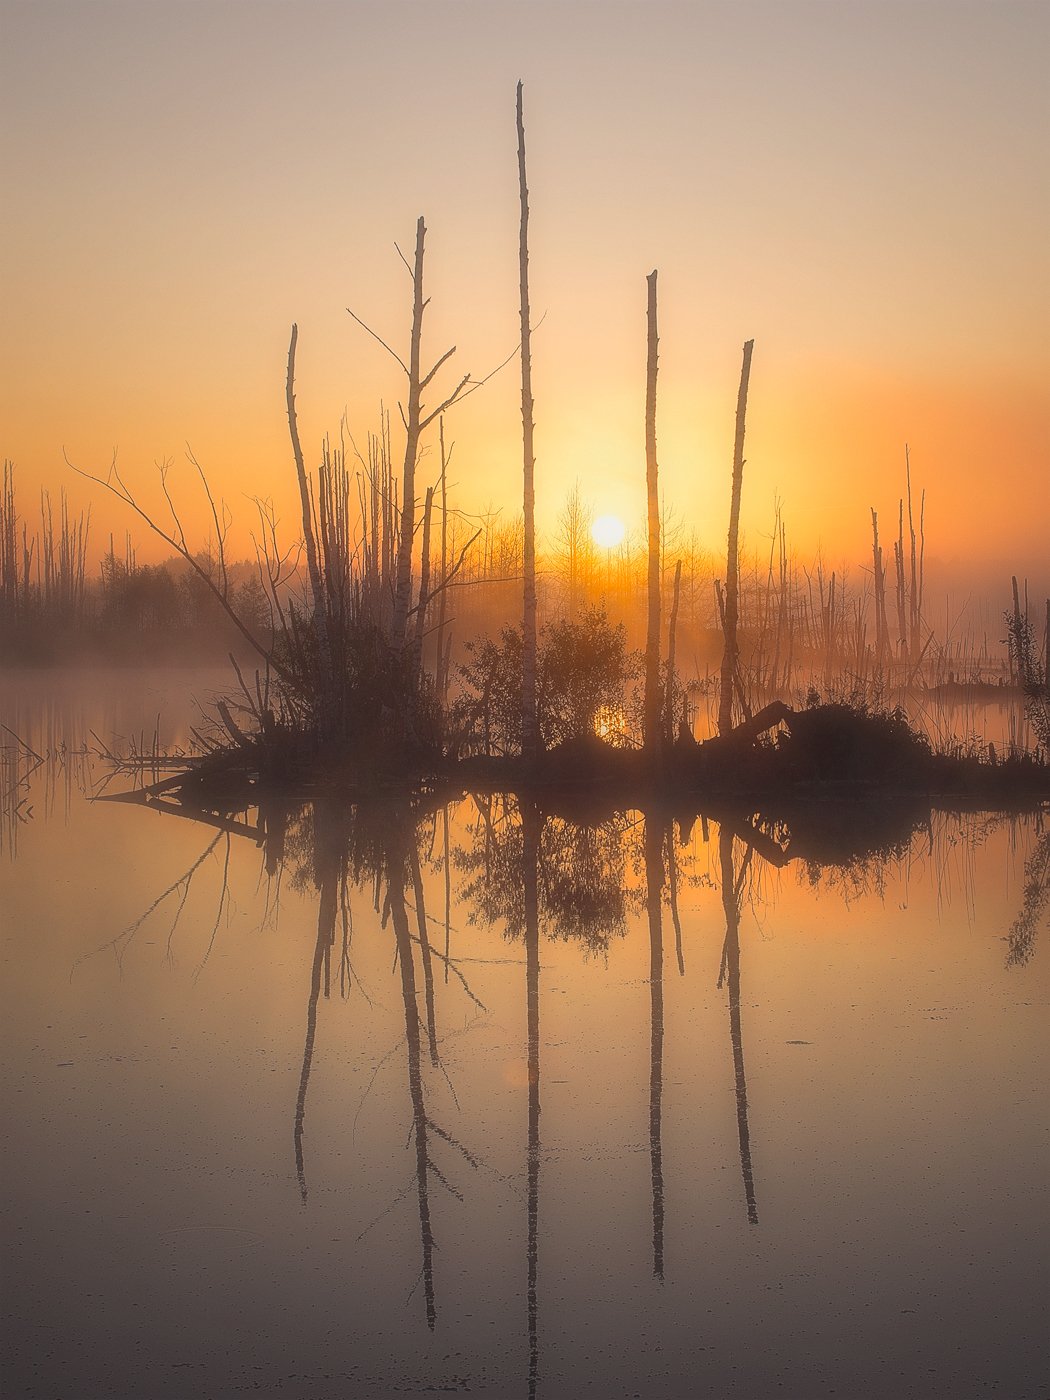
(337, 1103)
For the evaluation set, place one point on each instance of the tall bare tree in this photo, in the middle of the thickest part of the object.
(403, 585)
(529, 724)
(731, 649)
(651, 719)
(312, 561)
(880, 590)
(676, 594)
(416, 423)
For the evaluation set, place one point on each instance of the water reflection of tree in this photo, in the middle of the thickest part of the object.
(536, 873)
(531, 843)
(529, 871)
(654, 842)
(525, 871)
(581, 891)
(322, 840)
(1036, 901)
(335, 844)
(732, 880)
(178, 889)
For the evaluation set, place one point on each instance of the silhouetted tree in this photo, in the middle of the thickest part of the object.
(530, 737)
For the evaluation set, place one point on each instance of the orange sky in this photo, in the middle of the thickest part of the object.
(862, 188)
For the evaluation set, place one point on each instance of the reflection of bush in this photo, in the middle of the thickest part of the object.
(582, 876)
(1021, 938)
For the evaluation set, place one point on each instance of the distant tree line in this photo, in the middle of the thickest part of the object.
(801, 622)
(52, 608)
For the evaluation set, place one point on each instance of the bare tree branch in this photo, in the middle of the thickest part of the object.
(447, 582)
(382, 342)
(220, 532)
(428, 377)
(123, 494)
(447, 404)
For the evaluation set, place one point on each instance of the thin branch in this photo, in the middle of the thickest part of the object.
(220, 533)
(428, 377)
(372, 333)
(401, 255)
(456, 392)
(123, 494)
(480, 383)
(447, 582)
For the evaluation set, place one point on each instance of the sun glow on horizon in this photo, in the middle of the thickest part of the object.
(608, 531)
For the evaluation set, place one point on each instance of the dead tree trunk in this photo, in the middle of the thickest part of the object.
(651, 720)
(880, 591)
(312, 562)
(424, 582)
(320, 613)
(403, 589)
(671, 629)
(917, 563)
(442, 677)
(529, 724)
(922, 571)
(1017, 675)
(730, 650)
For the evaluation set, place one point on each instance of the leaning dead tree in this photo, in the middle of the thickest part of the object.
(317, 590)
(731, 649)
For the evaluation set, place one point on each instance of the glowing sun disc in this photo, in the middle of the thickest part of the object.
(608, 531)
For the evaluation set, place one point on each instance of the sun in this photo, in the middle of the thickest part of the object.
(608, 531)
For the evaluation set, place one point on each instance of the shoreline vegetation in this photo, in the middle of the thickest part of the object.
(364, 671)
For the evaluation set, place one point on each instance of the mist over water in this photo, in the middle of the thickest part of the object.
(589, 942)
(340, 1101)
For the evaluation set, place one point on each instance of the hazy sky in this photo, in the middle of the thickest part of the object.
(861, 187)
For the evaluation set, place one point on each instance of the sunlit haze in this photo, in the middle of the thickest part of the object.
(608, 531)
(525, 698)
(862, 188)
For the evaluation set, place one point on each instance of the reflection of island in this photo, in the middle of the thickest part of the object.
(535, 874)
(541, 875)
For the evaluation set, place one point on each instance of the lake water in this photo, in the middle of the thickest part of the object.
(393, 1102)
